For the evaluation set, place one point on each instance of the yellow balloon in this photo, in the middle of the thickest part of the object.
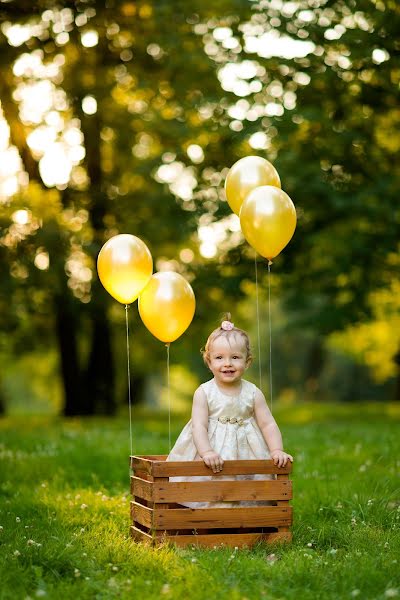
(247, 174)
(124, 266)
(166, 305)
(268, 220)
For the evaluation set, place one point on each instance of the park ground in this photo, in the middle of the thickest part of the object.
(64, 513)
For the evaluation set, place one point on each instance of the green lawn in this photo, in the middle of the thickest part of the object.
(64, 513)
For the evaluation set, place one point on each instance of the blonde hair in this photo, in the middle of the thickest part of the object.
(228, 334)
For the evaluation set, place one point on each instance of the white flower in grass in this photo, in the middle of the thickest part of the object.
(17, 553)
(40, 593)
(77, 573)
(17, 520)
(391, 592)
(166, 588)
(33, 543)
(355, 593)
(83, 506)
(333, 551)
(272, 558)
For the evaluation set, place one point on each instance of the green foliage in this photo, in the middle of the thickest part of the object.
(328, 119)
(65, 513)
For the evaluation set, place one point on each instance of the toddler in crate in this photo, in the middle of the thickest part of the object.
(230, 417)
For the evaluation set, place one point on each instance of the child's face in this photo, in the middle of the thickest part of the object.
(228, 359)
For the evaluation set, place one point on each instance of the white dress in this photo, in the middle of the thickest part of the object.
(233, 433)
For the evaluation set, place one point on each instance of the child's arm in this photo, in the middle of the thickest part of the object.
(200, 432)
(270, 430)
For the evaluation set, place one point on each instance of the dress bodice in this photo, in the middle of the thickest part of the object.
(232, 431)
(223, 405)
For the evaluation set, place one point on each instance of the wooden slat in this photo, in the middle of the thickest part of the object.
(213, 540)
(142, 514)
(160, 467)
(236, 540)
(213, 491)
(142, 489)
(144, 475)
(231, 467)
(218, 518)
(141, 536)
(142, 463)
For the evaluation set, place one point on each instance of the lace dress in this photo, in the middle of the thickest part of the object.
(233, 433)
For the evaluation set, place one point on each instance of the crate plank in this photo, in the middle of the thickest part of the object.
(162, 468)
(238, 540)
(142, 489)
(218, 491)
(142, 514)
(231, 467)
(218, 518)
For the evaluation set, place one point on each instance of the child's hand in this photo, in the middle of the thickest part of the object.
(280, 458)
(213, 461)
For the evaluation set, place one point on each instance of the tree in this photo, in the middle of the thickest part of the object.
(131, 106)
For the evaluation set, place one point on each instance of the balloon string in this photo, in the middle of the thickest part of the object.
(169, 400)
(270, 331)
(129, 375)
(258, 323)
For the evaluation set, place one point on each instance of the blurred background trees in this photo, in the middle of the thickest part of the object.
(125, 117)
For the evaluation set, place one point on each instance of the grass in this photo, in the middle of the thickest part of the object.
(64, 514)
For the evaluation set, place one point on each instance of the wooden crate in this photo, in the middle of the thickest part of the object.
(158, 515)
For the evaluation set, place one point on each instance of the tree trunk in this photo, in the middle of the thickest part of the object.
(100, 375)
(396, 359)
(138, 386)
(66, 327)
(315, 364)
(2, 404)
